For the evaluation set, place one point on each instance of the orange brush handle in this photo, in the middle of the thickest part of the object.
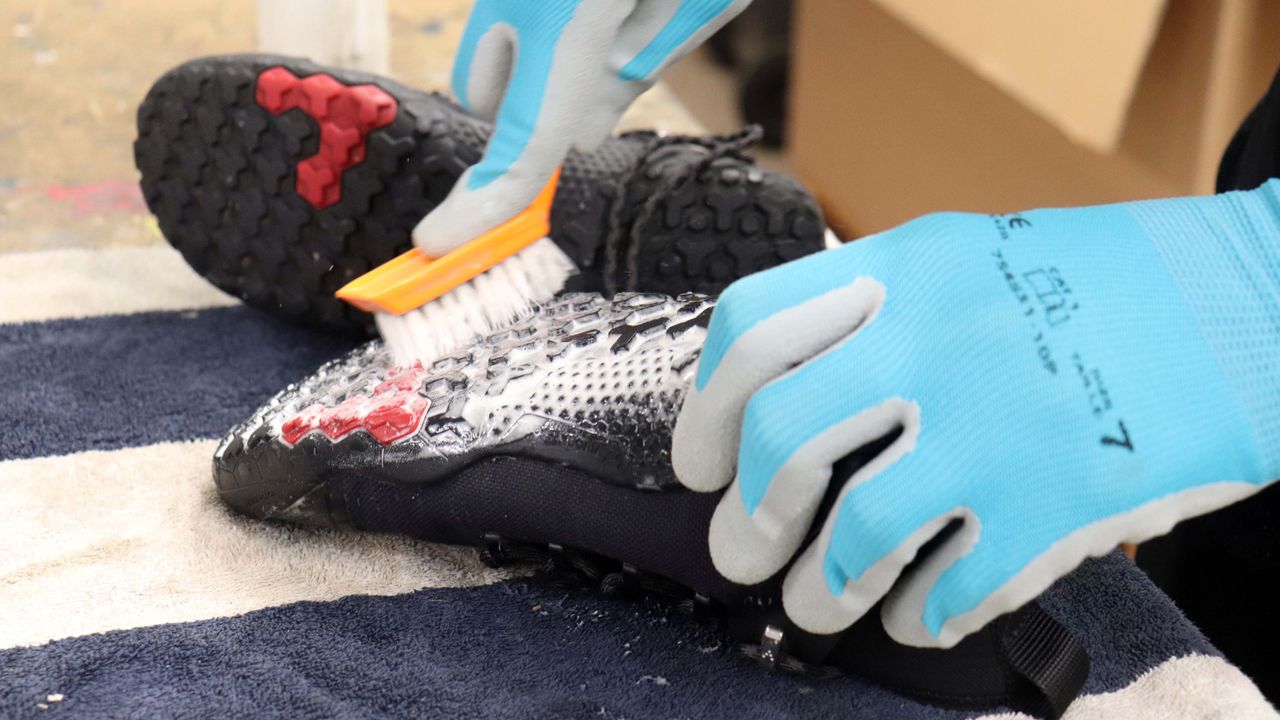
(413, 279)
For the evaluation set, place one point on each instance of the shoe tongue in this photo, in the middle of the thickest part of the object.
(673, 158)
(669, 153)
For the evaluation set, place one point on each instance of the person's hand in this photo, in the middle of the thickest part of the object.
(1063, 380)
(553, 74)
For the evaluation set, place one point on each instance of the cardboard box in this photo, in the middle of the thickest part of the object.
(903, 107)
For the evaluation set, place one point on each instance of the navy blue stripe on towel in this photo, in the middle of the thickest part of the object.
(518, 649)
(131, 380)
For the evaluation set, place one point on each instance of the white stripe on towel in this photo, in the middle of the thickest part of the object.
(1193, 687)
(105, 540)
(72, 283)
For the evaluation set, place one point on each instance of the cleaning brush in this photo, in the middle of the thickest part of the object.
(427, 307)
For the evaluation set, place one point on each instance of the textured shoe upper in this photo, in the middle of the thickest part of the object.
(586, 381)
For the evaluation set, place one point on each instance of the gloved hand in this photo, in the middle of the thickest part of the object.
(553, 74)
(1064, 380)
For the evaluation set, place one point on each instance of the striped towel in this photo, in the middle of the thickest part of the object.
(127, 589)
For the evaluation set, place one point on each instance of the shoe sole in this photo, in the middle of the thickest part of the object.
(280, 180)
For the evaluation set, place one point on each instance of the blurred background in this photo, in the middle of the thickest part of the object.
(886, 109)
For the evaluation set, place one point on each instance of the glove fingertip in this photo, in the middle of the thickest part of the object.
(741, 549)
(430, 235)
(696, 451)
(695, 464)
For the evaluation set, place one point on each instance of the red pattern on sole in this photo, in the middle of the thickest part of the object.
(345, 114)
(395, 412)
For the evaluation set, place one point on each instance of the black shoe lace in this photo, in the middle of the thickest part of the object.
(618, 231)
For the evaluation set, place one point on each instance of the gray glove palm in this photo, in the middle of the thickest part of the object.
(552, 75)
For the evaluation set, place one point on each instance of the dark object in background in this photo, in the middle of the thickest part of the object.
(756, 47)
(1216, 567)
(1253, 156)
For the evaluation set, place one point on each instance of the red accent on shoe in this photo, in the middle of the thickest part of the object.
(392, 422)
(345, 114)
(305, 422)
(395, 412)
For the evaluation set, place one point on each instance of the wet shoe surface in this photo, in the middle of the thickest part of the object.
(280, 180)
(585, 383)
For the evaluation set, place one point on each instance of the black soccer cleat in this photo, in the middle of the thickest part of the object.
(280, 181)
(550, 441)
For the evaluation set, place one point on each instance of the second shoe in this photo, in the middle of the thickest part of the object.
(280, 181)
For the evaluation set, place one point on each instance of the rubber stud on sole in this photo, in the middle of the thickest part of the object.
(345, 114)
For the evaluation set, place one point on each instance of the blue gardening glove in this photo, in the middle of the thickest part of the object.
(553, 74)
(1065, 380)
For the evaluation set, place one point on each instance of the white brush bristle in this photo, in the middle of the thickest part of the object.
(507, 291)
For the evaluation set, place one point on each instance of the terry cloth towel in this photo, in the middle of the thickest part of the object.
(126, 589)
